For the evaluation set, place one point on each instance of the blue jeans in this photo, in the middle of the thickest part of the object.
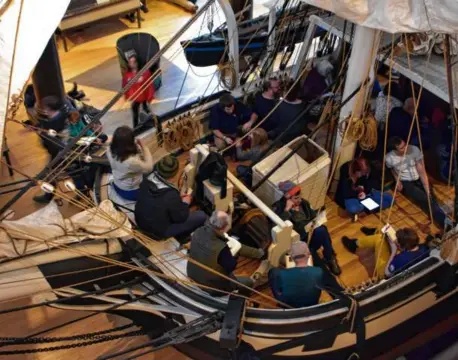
(354, 206)
(321, 239)
(181, 231)
(130, 195)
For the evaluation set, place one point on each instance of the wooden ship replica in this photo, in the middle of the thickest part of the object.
(99, 260)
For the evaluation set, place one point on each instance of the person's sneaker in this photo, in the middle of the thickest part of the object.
(368, 230)
(333, 266)
(44, 198)
(350, 244)
(354, 218)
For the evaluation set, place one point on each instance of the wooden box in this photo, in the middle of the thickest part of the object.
(309, 168)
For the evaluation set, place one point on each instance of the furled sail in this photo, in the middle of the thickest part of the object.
(396, 16)
(38, 19)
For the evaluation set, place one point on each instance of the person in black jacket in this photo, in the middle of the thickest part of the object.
(161, 210)
(297, 210)
(356, 184)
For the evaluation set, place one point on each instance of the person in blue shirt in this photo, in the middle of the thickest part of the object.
(266, 101)
(410, 250)
(225, 119)
(301, 285)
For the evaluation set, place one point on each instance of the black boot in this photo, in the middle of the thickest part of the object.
(350, 244)
(333, 265)
(368, 230)
(45, 198)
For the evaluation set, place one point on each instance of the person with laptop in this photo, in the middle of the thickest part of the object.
(408, 168)
(356, 192)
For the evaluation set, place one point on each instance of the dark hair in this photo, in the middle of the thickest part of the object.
(266, 84)
(226, 100)
(357, 164)
(123, 144)
(407, 238)
(394, 142)
(293, 94)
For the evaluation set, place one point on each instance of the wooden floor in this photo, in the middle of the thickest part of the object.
(93, 52)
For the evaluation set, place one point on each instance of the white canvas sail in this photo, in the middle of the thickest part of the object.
(38, 21)
(395, 16)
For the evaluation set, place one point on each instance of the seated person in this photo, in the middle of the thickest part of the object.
(287, 112)
(410, 251)
(129, 160)
(383, 99)
(400, 121)
(355, 184)
(317, 81)
(301, 285)
(297, 210)
(225, 119)
(209, 247)
(161, 210)
(76, 125)
(266, 101)
(413, 179)
(259, 142)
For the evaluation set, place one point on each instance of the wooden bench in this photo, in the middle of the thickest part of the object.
(82, 13)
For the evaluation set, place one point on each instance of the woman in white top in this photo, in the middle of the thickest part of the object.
(129, 160)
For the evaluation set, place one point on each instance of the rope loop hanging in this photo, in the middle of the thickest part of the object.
(227, 76)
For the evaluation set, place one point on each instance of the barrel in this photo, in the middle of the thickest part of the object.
(145, 47)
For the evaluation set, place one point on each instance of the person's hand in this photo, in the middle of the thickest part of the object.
(139, 143)
(238, 144)
(186, 199)
(362, 195)
(228, 140)
(289, 205)
(246, 127)
(399, 186)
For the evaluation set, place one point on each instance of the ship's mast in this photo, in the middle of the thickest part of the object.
(362, 60)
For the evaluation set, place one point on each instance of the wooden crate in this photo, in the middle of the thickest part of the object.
(309, 168)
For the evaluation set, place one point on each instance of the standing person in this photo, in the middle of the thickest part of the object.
(266, 101)
(142, 92)
(356, 184)
(209, 248)
(301, 285)
(129, 160)
(225, 119)
(161, 210)
(297, 210)
(412, 180)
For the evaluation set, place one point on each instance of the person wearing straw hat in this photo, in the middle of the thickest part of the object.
(300, 285)
(297, 210)
(161, 210)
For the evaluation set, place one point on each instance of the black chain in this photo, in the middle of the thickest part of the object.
(37, 340)
(76, 345)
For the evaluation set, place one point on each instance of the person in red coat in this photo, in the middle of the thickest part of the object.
(139, 93)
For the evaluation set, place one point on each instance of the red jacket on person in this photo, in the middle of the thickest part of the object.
(147, 94)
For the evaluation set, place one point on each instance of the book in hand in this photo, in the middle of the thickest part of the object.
(320, 220)
(369, 204)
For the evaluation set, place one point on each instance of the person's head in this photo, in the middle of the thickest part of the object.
(300, 253)
(407, 239)
(272, 87)
(360, 167)
(227, 103)
(324, 68)
(409, 106)
(123, 143)
(291, 191)
(74, 117)
(220, 221)
(167, 167)
(259, 137)
(292, 91)
(397, 145)
(132, 62)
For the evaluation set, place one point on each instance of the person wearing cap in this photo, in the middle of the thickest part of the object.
(225, 119)
(301, 285)
(209, 247)
(297, 210)
(161, 210)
